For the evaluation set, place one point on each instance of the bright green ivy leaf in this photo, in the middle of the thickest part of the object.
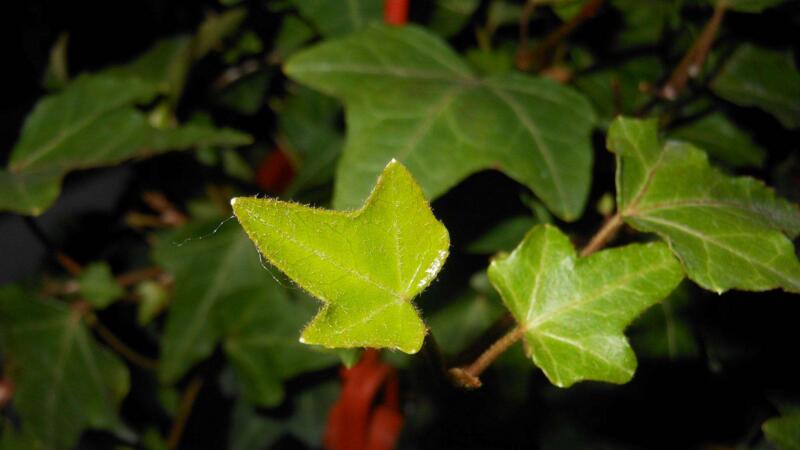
(408, 96)
(574, 310)
(728, 232)
(762, 78)
(65, 381)
(365, 265)
(722, 140)
(784, 431)
(98, 286)
(336, 18)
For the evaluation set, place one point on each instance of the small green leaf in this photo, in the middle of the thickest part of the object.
(574, 310)
(783, 431)
(336, 18)
(728, 232)
(450, 16)
(722, 140)
(98, 286)
(214, 29)
(365, 265)
(65, 381)
(408, 96)
(153, 298)
(763, 78)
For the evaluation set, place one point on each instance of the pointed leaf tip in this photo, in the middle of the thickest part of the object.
(575, 309)
(365, 265)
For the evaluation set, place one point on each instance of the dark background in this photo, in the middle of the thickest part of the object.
(750, 341)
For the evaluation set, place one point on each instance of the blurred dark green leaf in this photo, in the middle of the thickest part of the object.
(98, 285)
(722, 140)
(336, 18)
(784, 431)
(762, 78)
(66, 382)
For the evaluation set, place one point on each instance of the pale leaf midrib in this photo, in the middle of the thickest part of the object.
(327, 258)
(573, 304)
(535, 134)
(210, 298)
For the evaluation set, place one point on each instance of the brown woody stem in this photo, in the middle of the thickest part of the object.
(184, 410)
(138, 275)
(468, 377)
(533, 59)
(120, 347)
(604, 235)
(692, 61)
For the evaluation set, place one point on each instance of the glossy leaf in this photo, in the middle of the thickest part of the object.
(409, 96)
(574, 310)
(762, 78)
(336, 18)
(98, 286)
(784, 431)
(728, 232)
(722, 140)
(66, 382)
(365, 265)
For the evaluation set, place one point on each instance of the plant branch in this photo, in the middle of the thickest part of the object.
(692, 61)
(120, 347)
(468, 377)
(184, 410)
(533, 59)
(68, 263)
(138, 275)
(604, 235)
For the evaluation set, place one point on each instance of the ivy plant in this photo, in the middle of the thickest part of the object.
(544, 224)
